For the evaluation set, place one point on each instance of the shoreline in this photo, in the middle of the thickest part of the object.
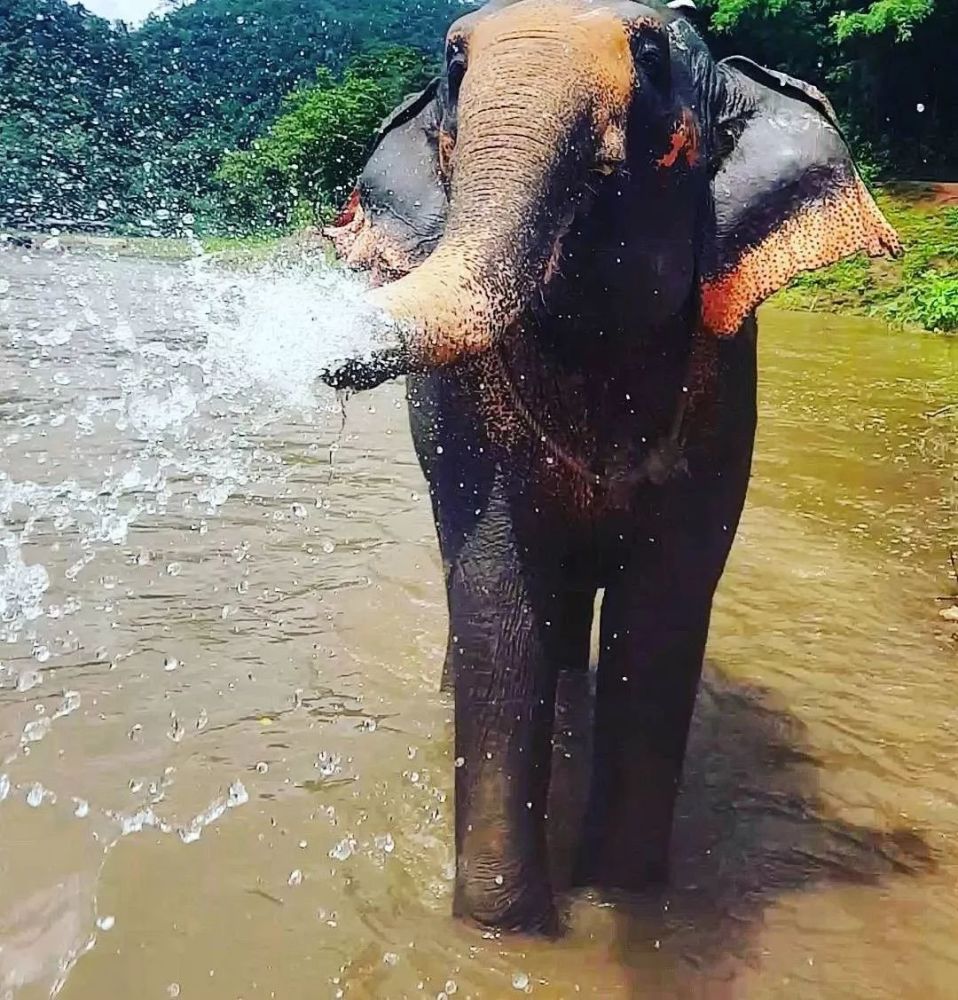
(919, 291)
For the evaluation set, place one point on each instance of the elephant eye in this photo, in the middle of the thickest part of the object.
(455, 72)
(652, 61)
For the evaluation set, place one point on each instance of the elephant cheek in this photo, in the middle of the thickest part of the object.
(365, 247)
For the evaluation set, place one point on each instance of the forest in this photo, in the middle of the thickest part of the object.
(231, 116)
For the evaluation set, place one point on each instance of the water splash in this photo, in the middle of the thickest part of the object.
(165, 378)
(275, 330)
(22, 586)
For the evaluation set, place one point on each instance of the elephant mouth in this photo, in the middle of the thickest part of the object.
(363, 246)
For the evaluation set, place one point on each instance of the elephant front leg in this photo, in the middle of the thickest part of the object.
(650, 660)
(505, 633)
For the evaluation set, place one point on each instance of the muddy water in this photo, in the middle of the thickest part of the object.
(224, 762)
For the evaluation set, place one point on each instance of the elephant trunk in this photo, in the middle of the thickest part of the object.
(521, 137)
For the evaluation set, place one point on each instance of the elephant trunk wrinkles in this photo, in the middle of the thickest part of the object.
(519, 140)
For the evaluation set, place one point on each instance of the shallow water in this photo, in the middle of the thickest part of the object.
(225, 766)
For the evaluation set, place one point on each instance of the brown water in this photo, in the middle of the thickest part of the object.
(221, 630)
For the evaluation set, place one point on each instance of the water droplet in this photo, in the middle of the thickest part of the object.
(29, 679)
(385, 843)
(520, 981)
(328, 546)
(4, 786)
(459, 761)
(35, 730)
(390, 958)
(298, 510)
(343, 849)
(71, 702)
(237, 795)
(328, 764)
(261, 767)
(175, 732)
(170, 663)
(37, 794)
(295, 877)
(368, 725)
(106, 923)
(82, 809)
(451, 987)
(173, 990)
(174, 568)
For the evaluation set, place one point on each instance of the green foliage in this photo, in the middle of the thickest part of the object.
(887, 65)
(104, 127)
(306, 162)
(932, 305)
(901, 16)
(873, 18)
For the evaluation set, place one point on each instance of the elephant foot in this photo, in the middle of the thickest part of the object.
(506, 904)
(511, 916)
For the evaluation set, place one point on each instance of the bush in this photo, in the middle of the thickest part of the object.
(305, 164)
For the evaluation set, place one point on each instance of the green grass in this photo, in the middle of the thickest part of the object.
(250, 249)
(918, 290)
(255, 244)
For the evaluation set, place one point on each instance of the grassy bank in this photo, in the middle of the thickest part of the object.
(919, 290)
(229, 250)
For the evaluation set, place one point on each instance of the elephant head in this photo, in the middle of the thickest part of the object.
(595, 145)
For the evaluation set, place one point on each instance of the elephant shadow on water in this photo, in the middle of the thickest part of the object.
(751, 825)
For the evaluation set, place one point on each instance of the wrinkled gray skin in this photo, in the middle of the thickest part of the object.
(558, 278)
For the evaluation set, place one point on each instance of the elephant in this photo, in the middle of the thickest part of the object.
(567, 234)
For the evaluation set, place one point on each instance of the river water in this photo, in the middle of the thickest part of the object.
(225, 766)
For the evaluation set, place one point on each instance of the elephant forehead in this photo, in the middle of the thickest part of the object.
(589, 39)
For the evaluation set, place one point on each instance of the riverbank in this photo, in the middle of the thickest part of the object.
(918, 290)
(228, 250)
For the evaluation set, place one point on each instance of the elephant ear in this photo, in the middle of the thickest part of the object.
(786, 193)
(397, 211)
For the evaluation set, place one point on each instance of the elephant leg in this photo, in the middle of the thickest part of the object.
(650, 660)
(572, 740)
(509, 632)
(445, 431)
(654, 625)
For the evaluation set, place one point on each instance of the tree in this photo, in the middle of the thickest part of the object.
(102, 125)
(888, 66)
(307, 161)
